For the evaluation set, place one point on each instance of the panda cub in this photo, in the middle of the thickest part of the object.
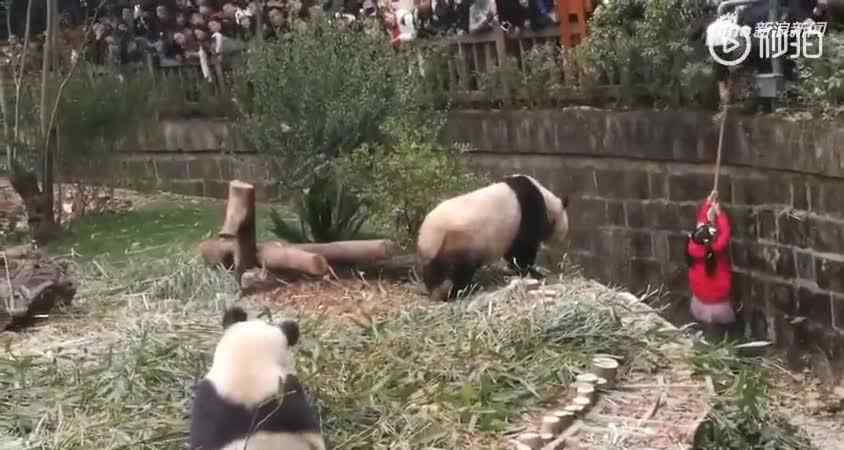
(251, 397)
(509, 219)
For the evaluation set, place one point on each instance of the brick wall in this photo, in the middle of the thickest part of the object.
(635, 180)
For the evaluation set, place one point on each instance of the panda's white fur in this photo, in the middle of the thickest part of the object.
(509, 219)
(240, 399)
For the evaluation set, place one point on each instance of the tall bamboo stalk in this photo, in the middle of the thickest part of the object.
(22, 65)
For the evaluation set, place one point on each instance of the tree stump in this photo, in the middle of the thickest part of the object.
(239, 226)
(31, 284)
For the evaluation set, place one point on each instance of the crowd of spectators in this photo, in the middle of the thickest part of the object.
(174, 32)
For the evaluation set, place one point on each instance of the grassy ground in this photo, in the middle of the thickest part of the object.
(116, 370)
(158, 229)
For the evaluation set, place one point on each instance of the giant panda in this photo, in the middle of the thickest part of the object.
(251, 395)
(509, 219)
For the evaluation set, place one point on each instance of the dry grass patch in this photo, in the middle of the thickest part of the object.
(116, 371)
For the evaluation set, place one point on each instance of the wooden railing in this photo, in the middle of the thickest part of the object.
(471, 56)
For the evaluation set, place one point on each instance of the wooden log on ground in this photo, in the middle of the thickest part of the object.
(366, 253)
(284, 258)
(352, 252)
(217, 252)
(30, 287)
(239, 225)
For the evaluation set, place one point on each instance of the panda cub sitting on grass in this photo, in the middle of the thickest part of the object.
(251, 397)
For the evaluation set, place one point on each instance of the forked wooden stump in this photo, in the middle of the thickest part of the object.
(239, 226)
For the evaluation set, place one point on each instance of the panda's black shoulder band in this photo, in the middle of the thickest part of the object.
(233, 315)
(534, 226)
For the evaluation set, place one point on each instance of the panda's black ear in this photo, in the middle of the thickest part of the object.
(566, 202)
(233, 315)
(290, 328)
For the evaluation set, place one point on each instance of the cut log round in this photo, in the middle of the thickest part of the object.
(585, 402)
(575, 409)
(550, 425)
(586, 390)
(566, 418)
(605, 368)
(587, 378)
(532, 440)
(601, 383)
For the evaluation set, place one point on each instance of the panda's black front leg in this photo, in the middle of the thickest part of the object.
(535, 273)
(462, 276)
(524, 266)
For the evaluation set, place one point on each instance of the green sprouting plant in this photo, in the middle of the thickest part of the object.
(405, 180)
(542, 76)
(741, 416)
(323, 93)
(328, 211)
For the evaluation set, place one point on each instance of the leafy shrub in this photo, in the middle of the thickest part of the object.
(345, 103)
(821, 80)
(645, 48)
(537, 83)
(328, 211)
(405, 180)
(322, 93)
(742, 417)
(97, 111)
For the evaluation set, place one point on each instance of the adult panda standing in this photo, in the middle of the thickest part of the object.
(251, 397)
(509, 219)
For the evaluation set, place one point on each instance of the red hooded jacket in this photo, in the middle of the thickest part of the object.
(715, 288)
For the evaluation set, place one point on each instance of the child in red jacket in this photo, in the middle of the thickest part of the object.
(710, 270)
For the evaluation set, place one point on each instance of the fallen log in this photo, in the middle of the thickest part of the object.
(277, 257)
(218, 251)
(353, 253)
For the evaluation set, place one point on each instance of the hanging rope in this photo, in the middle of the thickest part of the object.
(714, 194)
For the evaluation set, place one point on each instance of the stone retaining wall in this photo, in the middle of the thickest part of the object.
(637, 179)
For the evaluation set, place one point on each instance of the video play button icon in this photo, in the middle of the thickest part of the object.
(724, 37)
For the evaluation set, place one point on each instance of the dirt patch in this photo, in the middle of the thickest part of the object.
(816, 408)
(345, 298)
